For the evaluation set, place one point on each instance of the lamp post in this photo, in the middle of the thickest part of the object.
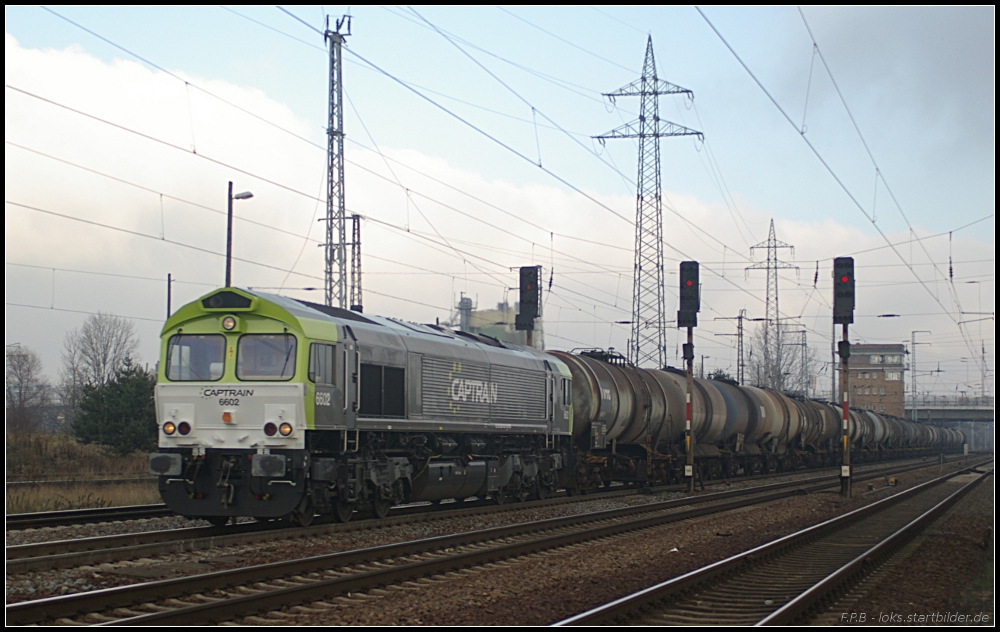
(245, 195)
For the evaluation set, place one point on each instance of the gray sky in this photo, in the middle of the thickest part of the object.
(116, 170)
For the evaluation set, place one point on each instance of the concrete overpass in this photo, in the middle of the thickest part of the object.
(975, 416)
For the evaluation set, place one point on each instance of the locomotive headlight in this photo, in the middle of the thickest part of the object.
(169, 428)
(285, 429)
(229, 323)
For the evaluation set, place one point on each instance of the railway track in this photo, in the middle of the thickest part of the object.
(143, 512)
(96, 550)
(244, 591)
(93, 482)
(85, 516)
(784, 581)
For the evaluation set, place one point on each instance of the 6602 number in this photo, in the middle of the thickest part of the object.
(235, 401)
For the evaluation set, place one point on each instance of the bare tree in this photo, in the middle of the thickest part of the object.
(101, 346)
(27, 390)
(781, 365)
(72, 377)
(92, 355)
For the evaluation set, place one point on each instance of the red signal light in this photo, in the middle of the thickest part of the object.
(843, 294)
(689, 283)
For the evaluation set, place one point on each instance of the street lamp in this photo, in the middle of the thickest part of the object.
(245, 195)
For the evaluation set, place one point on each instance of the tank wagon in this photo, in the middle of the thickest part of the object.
(272, 407)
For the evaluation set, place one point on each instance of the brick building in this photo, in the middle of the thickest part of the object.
(876, 378)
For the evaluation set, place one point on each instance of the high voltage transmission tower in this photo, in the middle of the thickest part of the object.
(772, 375)
(335, 282)
(648, 341)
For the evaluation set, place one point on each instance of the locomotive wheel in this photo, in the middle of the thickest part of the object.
(218, 521)
(343, 511)
(305, 515)
(500, 497)
(380, 508)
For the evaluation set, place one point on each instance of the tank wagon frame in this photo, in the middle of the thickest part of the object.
(272, 407)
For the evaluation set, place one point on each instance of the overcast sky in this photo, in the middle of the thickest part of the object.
(469, 154)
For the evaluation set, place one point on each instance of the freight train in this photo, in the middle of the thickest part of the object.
(276, 408)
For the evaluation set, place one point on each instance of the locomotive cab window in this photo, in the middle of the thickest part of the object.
(192, 358)
(382, 391)
(266, 357)
(322, 368)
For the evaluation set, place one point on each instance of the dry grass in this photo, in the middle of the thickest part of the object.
(51, 457)
(56, 457)
(35, 498)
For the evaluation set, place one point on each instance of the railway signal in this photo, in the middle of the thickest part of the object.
(687, 316)
(690, 295)
(529, 291)
(843, 290)
(529, 301)
(843, 314)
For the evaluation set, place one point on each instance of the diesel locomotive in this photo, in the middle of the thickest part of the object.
(272, 407)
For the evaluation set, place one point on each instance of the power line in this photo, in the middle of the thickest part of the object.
(511, 90)
(153, 237)
(830, 170)
(288, 131)
(160, 193)
(108, 274)
(181, 79)
(80, 311)
(491, 137)
(160, 141)
(258, 117)
(878, 171)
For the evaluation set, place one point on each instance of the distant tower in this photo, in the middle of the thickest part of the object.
(773, 376)
(649, 338)
(335, 282)
(739, 341)
(465, 308)
(356, 305)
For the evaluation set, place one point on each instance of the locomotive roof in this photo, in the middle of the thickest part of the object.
(364, 325)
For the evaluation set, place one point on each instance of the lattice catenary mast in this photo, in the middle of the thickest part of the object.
(648, 342)
(335, 282)
(356, 304)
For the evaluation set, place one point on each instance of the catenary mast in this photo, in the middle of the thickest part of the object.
(335, 281)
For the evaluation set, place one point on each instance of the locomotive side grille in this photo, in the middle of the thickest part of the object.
(522, 394)
(454, 389)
